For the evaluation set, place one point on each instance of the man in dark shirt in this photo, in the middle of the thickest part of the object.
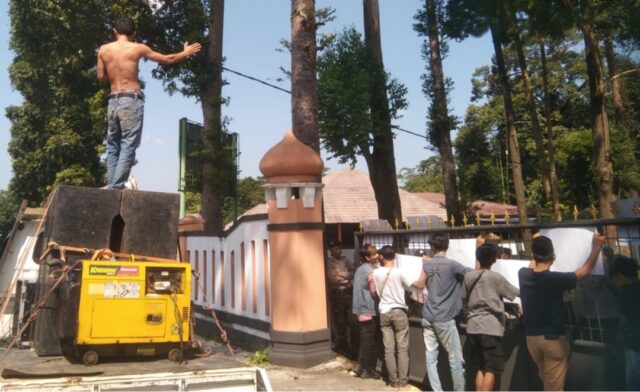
(624, 272)
(541, 291)
(340, 274)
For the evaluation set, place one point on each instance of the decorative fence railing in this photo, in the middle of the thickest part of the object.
(593, 315)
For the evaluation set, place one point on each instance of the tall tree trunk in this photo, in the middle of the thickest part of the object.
(599, 120)
(618, 104)
(533, 114)
(304, 98)
(615, 83)
(382, 164)
(213, 179)
(441, 122)
(514, 149)
(551, 149)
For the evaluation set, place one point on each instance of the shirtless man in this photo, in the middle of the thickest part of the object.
(118, 65)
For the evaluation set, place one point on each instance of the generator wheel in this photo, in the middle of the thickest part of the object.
(175, 355)
(90, 358)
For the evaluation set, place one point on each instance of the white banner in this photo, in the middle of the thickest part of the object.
(572, 247)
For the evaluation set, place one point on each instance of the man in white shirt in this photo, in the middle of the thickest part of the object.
(390, 285)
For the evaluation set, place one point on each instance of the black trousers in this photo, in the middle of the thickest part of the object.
(367, 356)
(340, 303)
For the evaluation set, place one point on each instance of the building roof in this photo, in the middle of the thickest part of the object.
(349, 198)
(485, 208)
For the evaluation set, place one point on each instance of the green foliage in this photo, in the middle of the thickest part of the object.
(173, 23)
(9, 206)
(192, 202)
(439, 121)
(57, 131)
(249, 194)
(574, 161)
(481, 168)
(260, 357)
(346, 76)
(425, 177)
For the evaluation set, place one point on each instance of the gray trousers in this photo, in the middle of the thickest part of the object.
(395, 336)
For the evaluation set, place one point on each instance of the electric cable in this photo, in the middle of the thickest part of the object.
(289, 92)
(179, 321)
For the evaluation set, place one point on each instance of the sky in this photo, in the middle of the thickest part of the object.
(259, 114)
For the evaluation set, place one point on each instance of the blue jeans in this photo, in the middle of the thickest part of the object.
(125, 115)
(632, 369)
(447, 334)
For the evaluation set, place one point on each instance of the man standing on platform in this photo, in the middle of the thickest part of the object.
(340, 273)
(118, 64)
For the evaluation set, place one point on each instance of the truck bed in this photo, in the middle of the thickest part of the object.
(23, 370)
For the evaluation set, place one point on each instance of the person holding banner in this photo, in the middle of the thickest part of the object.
(541, 292)
(484, 291)
(442, 277)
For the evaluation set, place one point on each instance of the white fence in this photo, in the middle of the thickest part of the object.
(233, 272)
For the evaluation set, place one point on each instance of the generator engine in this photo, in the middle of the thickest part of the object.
(133, 308)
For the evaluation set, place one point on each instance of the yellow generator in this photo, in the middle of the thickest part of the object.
(133, 308)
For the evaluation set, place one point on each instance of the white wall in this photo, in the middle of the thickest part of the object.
(223, 290)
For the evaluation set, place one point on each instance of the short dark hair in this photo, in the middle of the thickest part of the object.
(625, 266)
(370, 250)
(439, 241)
(387, 252)
(542, 249)
(486, 254)
(124, 26)
(334, 242)
(363, 252)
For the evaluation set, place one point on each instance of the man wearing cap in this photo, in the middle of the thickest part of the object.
(118, 64)
(541, 292)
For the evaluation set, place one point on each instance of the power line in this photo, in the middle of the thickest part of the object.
(256, 80)
(289, 92)
(409, 132)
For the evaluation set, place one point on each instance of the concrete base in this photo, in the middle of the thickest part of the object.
(300, 349)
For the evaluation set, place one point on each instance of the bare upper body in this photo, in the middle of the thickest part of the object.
(118, 61)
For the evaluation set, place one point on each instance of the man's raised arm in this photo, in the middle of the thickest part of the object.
(169, 59)
(596, 246)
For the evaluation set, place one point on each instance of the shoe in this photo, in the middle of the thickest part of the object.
(392, 385)
(370, 375)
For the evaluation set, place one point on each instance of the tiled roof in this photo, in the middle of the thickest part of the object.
(485, 207)
(349, 198)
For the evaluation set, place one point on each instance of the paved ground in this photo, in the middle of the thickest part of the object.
(329, 376)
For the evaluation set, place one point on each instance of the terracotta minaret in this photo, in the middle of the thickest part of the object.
(299, 329)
